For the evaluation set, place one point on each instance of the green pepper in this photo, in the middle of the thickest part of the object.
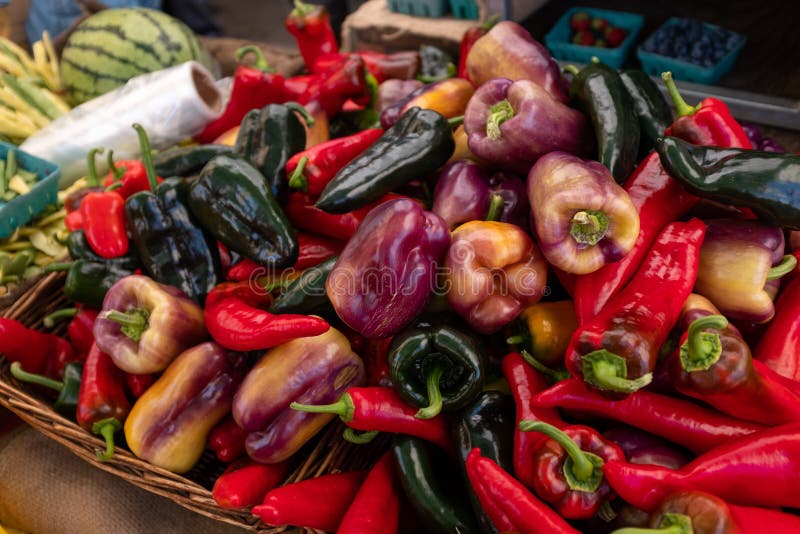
(232, 200)
(418, 144)
(68, 388)
(89, 280)
(650, 106)
(489, 424)
(268, 137)
(187, 160)
(436, 367)
(599, 92)
(172, 247)
(79, 249)
(426, 473)
(307, 292)
(766, 182)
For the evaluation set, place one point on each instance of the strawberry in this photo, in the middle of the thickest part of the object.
(615, 37)
(599, 24)
(579, 21)
(583, 38)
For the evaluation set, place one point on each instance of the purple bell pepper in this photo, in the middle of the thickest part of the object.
(512, 124)
(465, 192)
(387, 272)
(393, 91)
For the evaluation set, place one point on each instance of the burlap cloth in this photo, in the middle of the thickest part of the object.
(46, 489)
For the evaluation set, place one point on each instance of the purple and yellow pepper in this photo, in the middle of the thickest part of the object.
(581, 217)
(448, 97)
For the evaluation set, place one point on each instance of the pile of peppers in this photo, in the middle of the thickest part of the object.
(571, 313)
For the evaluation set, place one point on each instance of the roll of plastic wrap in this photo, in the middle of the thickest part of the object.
(172, 105)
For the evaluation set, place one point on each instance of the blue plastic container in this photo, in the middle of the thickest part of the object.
(558, 39)
(654, 64)
(420, 8)
(464, 9)
(43, 193)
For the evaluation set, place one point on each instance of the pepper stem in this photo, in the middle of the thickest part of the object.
(557, 374)
(606, 370)
(30, 378)
(787, 265)
(58, 267)
(261, 63)
(147, 156)
(498, 114)
(118, 172)
(434, 406)
(518, 339)
(702, 349)
(301, 9)
(359, 439)
(91, 170)
(66, 313)
(294, 106)
(571, 69)
(671, 523)
(344, 408)
(456, 121)
(134, 322)
(298, 180)
(495, 207)
(589, 227)
(583, 470)
(106, 428)
(681, 106)
(490, 22)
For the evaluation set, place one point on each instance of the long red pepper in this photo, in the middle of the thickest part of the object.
(617, 350)
(659, 200)
(312, 250)
(102, 403)
(246, 483)
(297, 85)
(510, 506)
(37, 352)
(331, 89)
(382, 409)
(757, 470)
(103, 216)
(319, 503)
(79, 330)
(227, 440)
(376, 507)
(138, 384)
(311, 170)
(779, 347)
(525, 382)
(685, 423)
(311, 27)
(234, 320)
(752, 520)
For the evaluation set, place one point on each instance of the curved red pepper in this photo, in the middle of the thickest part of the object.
(311, 27)
(312, 250)
(376, 507)
(332, 88)
(227, 440)
(297, 85)
(245, 483)
(79, 330)
(37, 352)
(234, 320)
(779, 347)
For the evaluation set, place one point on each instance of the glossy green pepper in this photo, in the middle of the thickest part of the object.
(187, 160)
(307, 292)
(80, 249)
(650, 107)
(89, 280)
(232, 200)
(68, 388)
(436, 367)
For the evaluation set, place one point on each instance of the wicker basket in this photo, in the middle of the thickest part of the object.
(326, 454)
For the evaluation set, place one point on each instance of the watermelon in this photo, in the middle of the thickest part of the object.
(115, 45)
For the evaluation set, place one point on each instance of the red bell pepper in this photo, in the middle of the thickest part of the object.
(312, 250)
(467, 40)
(710, 123)
(79, 329)
(376, 507)
(102, 403)
(103, 217)
(245, 483)
(779, 347)
(617, 350)
(227, 440)
(525, 382)
(311, 170)
(74, 220)
(756, 470)
(510, 506)
(319, 503)
(329, 90)
(659, 200)
(311, 27)
(253, 88)
(234, 320)
(37, 352)
(382, 409)
(127, 177)
(695, 427)
(297, 85)
(569, 468)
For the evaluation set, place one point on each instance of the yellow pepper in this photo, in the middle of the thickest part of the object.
(546, 328)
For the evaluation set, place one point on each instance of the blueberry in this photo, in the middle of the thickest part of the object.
(708, 62)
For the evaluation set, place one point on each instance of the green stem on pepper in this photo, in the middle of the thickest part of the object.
(91, 170)
(498, 114)
(456, 121)
(58, 267)
(571, 69)
(118, 172)
(30, 378)
(787, 265)
(134, 322)
(589, 227)
(147, 156)
(495, 207)
(294, 106)
(670, 524)
(261, 63)
(302, 9)
(558, 375)
(106, 428)
(681, 106)
(606, 370)
(359, 438)
(434, 407)
(66, 313)
(702, 349)
(298, 180)
(344, 408)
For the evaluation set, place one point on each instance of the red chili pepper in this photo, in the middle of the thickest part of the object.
(779, 347)
(467, 40)
(319, 503)
(569, 468)
(297, 85)
(127, 177)
(510, 506)
(37, 352)
(74, 221)
(253, 88)
(757, 470)
(754, 520)
(332, 88)
(313, 250)
(138, 384)
(311, 27)
(102, 403)
(376, 507)
(382, 409)
(697, 428)
(659, 200)
(617, 350)
(79, 329)
(397, 65)
(245, 483)
(227, 440)
(525, 382)
(311, 170)
(375, 354)
(234, 320)
(710, 123)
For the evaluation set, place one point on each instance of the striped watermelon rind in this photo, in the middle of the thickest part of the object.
(115, 45)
